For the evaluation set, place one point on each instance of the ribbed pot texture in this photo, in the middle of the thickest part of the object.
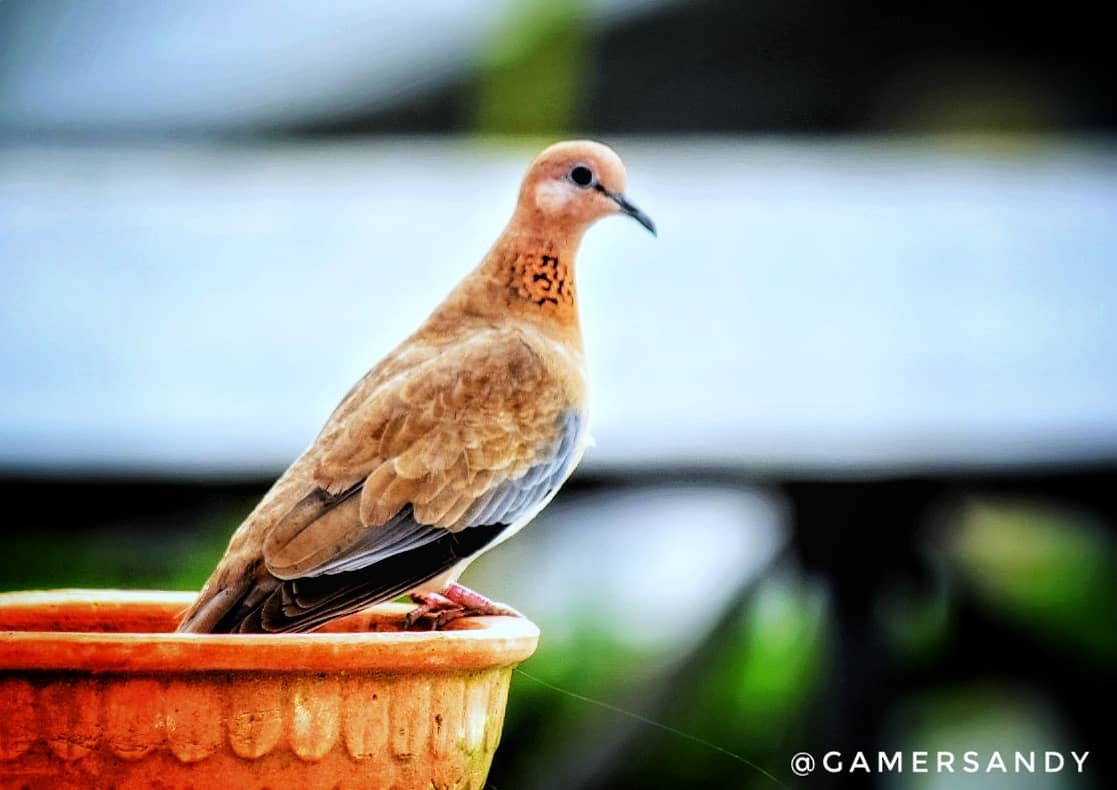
(96, 690)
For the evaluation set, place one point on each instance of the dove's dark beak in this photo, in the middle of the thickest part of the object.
(629, 209)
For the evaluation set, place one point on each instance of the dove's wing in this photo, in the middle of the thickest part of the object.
(428, 469)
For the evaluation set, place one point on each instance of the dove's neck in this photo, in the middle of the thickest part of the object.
(528, 275)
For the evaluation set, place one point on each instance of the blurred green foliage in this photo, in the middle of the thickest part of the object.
(985, 718)
(917, 620)
(532, 72)
(758, 686)
(1049, 569)
(150, 556)
(746, 689)
(769, 664)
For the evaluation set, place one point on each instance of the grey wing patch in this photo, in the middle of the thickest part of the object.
(505, 503)
(402, 533)
(512, 499)
(399, 533)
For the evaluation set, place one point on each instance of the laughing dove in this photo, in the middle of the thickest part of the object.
(447, 447)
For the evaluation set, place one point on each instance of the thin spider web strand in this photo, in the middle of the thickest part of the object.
(652, 722)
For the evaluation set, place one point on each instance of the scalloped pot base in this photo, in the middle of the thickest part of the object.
(96, 690)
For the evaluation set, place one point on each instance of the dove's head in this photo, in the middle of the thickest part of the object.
(575, 183)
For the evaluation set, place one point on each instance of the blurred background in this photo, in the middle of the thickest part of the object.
(855, 409)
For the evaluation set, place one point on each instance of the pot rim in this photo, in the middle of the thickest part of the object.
(42, 630)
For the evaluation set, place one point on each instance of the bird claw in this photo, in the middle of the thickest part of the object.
(447, 616)
(475, 603)
(453, 603)
(428, 603)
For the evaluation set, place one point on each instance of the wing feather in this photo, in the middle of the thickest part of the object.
(474, 436)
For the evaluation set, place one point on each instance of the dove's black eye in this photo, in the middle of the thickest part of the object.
(581, 175)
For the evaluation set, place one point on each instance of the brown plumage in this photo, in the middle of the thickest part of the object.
(449, 445)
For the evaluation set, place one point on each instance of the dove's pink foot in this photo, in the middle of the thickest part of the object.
(428, 603)
(453, 602)
(475, 603)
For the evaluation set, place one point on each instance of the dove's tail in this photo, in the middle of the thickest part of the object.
(259, 603)
(218, 601)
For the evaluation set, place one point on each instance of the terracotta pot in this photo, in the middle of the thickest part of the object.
(97, 691)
